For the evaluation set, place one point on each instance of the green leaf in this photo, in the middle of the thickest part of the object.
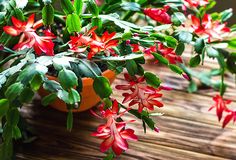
(69, 122)
(180, 49)
(152, 79)
(67, 7)
(185, 37)
(149, 122)
(48, 14)
(26, 95)
(211, 52)
(199, 45)
(171, 41)
(4, 106)
(52, 86)
(63, 95)
(110, 156)
(73, 96)
(49, 99)
(160, 58)
(16, 133)
(175, 69)
(93, 8)
(78, 4)
(36, 82)
(130, 6)
(195, 61)
(85, 68)
(131, 67)
(73, 23)
(29, 72)
(127, 35)
(232, 43)
(226, 14)
(130, 56)
(67, 79)
(97, 22)
(102, 87)
(233, 28)
(192, 87)
(14, 91)
(178, 18)
(13, 116)
(210, 5)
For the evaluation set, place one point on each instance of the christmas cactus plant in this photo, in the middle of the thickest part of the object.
(71, 40)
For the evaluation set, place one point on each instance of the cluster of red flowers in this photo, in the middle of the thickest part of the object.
(114, 133)
(166, 52)
(221, 108)
(196, 3)
(95, 43)
(141, 94)
(208, 27)
(158, 14)
(29, 37)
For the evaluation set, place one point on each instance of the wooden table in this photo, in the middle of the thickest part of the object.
(188, 130)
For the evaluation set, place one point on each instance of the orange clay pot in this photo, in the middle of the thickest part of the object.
(88, 96)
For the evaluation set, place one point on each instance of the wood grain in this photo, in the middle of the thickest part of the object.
(188, 130)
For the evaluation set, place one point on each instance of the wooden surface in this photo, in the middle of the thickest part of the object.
(188, 130)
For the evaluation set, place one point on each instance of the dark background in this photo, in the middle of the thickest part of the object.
(225, 4)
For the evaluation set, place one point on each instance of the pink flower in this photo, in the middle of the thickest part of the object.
(113, 133)
(196, 3)
(166, 52)
(29, 37)
(142, 95)
(95, 43)
(208, 27)
(159, 15)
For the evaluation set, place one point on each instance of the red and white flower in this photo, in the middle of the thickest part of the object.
(29, 37)
(95, 43)
(139, 93)
(158, 14)
(209, 27)
(113, 133)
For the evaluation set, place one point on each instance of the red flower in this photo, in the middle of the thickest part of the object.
(159, 15)
(29, 37)
(142, 95)
(220, 105)
(208, 27)
(169, 54)
(114, 133)
(92, 40)
(196, 3)
(221, 108)
(230, 116)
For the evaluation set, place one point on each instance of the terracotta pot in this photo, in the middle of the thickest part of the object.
(88, 96)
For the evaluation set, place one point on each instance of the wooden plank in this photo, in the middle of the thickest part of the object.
(188, 130)
(183, 138)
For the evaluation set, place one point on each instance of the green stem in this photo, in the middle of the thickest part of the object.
(9, 58)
